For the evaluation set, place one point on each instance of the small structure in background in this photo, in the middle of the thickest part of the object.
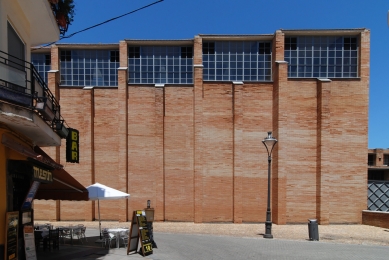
(150, 218)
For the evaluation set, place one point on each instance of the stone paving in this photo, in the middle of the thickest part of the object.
(346, 234)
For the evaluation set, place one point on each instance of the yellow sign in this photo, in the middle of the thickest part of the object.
(42, 175)
(147, 248)
(72, 146)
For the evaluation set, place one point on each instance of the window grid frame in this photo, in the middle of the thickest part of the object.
(346, 54)
(39, 62)
(79, 61)
(158, 57)
(218, 49)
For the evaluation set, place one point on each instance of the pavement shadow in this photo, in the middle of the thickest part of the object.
(85, 248)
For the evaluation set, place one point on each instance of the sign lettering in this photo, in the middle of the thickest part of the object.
(42, 175)
(72, 146)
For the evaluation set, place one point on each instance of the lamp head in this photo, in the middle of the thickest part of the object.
(269, 142)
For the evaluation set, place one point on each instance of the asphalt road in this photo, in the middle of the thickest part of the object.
(213, 247)
(182, 246)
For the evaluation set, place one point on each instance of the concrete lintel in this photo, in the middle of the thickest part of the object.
(324, 80)
(237, 82)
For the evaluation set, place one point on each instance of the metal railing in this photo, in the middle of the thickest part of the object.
(378, 196)
(21, 84)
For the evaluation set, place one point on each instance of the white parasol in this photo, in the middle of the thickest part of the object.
(99, 192)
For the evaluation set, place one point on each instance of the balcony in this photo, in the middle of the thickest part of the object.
(26, 103)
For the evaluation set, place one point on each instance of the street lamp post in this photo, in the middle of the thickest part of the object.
(269, 143)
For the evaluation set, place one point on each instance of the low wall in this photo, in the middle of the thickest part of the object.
(375, 218)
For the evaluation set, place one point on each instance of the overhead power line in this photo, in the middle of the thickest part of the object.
(99, 24)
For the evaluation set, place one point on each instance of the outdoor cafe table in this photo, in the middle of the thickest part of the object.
(71, 229)
(117, 231)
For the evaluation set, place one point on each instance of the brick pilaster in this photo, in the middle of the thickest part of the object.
(123, 137)
(238, 150)
(279, 130)
(157, 194)
(198, 122)
(323, 151)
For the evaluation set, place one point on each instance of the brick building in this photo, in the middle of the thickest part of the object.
(378, 164)
(180, 123)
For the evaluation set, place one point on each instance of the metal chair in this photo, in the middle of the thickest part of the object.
(108, 238)
(64, 233)
(83, 229)
(53, 239)
(124, 237)
(78, 234)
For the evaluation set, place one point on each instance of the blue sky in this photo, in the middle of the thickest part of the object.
(183, 19)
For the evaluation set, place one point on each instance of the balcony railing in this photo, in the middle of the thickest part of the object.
(21, 84)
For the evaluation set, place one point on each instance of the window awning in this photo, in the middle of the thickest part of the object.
(63, 187)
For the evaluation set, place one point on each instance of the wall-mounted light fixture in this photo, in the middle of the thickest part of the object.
(61, 129)
(45, 108)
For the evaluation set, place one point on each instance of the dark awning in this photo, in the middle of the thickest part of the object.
(63, 187)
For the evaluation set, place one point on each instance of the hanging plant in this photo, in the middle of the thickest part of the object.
(64, 13)
(66, 7)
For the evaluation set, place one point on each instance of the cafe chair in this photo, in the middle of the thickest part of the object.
(108, 238)
(53, 239)
(124, 237)
(38, 239)
(64, 233)
(83, 229)
(78, 234)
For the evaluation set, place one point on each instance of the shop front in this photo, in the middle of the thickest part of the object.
(28, 173)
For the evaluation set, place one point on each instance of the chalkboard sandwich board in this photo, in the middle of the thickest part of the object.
(139, 232)
(11, 236)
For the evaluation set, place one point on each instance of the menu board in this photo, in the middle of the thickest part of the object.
(29, 242)
(134, 235)
(147, 247)
(139, 232)
(11, 236)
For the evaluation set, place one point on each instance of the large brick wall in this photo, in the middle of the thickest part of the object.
(195, 150)
(178, 154)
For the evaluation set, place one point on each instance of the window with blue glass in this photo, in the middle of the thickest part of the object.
(237, 60)
(160, 64)
(89, 67)
(322, 56)
(42, 63)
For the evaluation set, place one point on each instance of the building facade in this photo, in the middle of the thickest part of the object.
(378, 188)
(378, 165)
(30, 121)
(180, 123)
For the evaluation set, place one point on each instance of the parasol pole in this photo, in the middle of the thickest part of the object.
(98, 206)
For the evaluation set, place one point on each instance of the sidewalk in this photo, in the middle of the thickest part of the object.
(345, 234)
(180, 241)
